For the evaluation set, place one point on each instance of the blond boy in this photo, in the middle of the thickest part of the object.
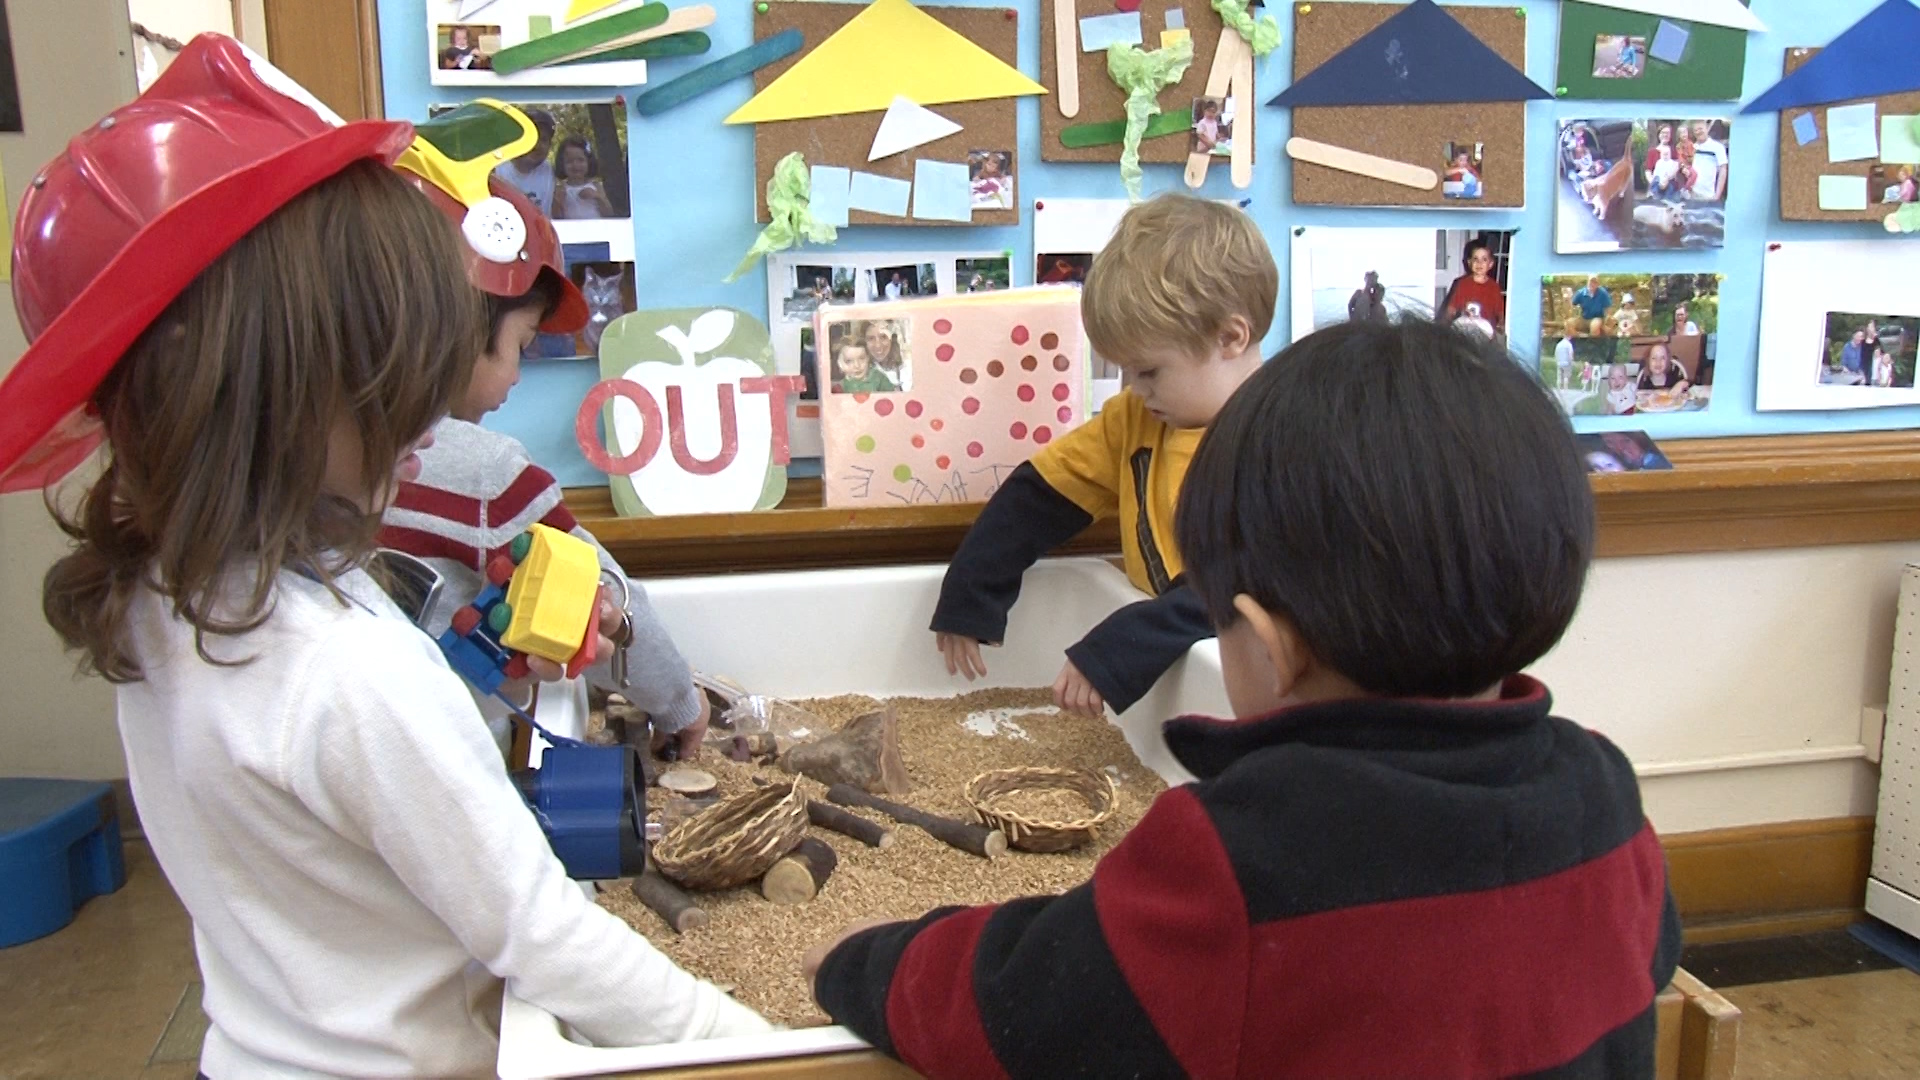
(1179, 300)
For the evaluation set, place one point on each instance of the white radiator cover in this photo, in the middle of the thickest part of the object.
(1893, 889)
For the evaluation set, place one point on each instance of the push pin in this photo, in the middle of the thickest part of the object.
(761, 8)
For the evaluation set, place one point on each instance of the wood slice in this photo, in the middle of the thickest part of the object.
(688, 782)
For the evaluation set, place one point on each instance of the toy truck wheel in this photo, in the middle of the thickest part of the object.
(500, 617)
(500, 570)
(518, 549)
(517, 667)
(466, 620)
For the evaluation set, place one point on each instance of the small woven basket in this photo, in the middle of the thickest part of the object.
(735, 840)
(1097, 790)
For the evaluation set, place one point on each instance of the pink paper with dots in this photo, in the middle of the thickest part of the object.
(979, 384)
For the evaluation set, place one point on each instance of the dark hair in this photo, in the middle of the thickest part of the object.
(544, 295)
(346, 310)
(560, 155)
(1476, 244)
(1406, 495)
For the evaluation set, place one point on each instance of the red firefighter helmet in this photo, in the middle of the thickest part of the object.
(117, 226)
(510, 244)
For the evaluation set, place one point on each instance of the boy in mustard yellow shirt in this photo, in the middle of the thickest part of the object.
(1179, 300)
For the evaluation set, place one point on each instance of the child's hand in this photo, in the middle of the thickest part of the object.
(1073, 693)
(685, 743)
(810, 963)
(963, 655)
(541, 669)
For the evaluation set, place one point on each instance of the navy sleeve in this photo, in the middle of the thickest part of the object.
(1023, 521)
(1128, 652)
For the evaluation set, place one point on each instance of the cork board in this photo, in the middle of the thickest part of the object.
(845, 140)
(1801, 167)
(1415, 134)
(1101, 100)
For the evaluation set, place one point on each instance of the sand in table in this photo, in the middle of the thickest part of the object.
(755, 946)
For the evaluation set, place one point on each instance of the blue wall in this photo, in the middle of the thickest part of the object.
(693, 196)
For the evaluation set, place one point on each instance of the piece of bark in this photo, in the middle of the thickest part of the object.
(974, 839)
(689, 782)
(865, 754)
(668, 901)
(871, 833)
(800, 874)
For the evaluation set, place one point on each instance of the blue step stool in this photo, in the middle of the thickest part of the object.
(59, 847)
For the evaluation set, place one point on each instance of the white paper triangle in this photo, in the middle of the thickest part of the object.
(906, 126)
(470, 8)
(1714, 12)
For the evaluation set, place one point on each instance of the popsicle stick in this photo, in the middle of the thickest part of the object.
(1114, 132)
(717, 73)
(594, 36)
(683, 20)
(691, 43)
(1219, 78)
(1241, 89)
(1353, 161)
(1066, 56)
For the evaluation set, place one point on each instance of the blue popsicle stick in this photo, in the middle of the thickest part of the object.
(717, 73)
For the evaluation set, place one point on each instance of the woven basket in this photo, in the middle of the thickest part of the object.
(1029, 834)
(735, 840)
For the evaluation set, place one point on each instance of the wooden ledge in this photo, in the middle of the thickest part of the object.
(1737, 494)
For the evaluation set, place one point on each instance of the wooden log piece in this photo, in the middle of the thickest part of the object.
(865, 754)
(800, 874)
(871, 833)
(666, 900)
(973, 839)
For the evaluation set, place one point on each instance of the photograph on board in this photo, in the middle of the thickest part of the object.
(1456, 276)
(576, 171)
(1212, 127)
(610, 292)
(1464, 163)
(1061, 269)
(902, 282)
(467, 46)
(868, 356)
(1620, 451)
(1868, 350)
(982, 275)
(1628, 184)
(814, 285)
(990, 172)
(1623, 344)
(1619, 56)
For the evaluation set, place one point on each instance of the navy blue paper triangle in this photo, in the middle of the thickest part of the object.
(1420, 56)
(1872, 57)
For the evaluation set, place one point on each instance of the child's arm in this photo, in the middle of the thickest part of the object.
(1024, 987)
(1130, 649)
(1041, 505)
(402, 766)
(659, 679)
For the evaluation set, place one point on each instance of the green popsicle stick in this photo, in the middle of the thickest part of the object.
(690, 43)
(541, 51)
(1114, 132)
(717, 73)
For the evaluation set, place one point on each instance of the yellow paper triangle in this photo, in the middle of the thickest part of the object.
(892, 49)
(580, 9)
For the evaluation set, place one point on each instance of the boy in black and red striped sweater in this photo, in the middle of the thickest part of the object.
(1395, 862)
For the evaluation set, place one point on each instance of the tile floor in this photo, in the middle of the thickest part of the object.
(116, 995)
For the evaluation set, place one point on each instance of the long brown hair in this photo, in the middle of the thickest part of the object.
(347, 308)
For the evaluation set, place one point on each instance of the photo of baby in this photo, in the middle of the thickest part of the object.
(1869, 350)
(1212, 126)
(868, 356)
(1464, 162)
(991, 172)
(1616, 56)
(465, 47)
(576, 169)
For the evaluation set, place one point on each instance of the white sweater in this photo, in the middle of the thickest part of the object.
(361, 873)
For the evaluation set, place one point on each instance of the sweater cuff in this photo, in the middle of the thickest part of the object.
(678, 713)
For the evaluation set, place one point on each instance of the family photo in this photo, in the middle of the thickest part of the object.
(902, 282)
(816, 285)
(1641, 185)
(577, 168)
(1621, 344)
(982, 275)
(868, 356)
(1869, 350)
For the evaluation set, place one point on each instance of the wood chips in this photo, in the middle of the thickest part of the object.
(755, 946)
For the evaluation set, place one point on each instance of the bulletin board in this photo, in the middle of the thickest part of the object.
(1801, 167)
(1416, 134)
(845, 140)
(1709, 68)
(1102, 100)
(695, 182)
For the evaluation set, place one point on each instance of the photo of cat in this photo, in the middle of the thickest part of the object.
(610, 291)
